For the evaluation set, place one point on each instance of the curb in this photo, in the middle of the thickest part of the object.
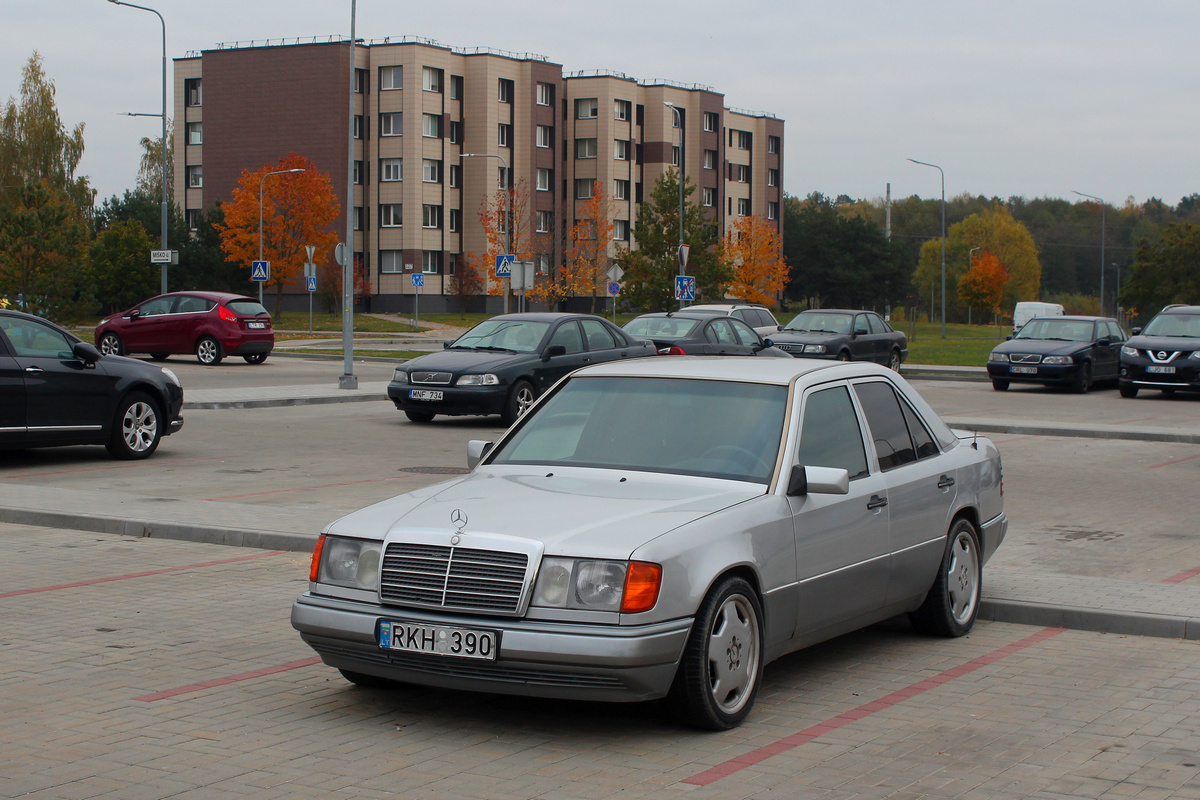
(282, 401)
(1090, 619)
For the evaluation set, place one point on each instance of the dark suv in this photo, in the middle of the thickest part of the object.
(1165, 355)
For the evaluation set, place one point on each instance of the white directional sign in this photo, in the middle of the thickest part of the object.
(504, 265)
(260, 270)
(162, 257)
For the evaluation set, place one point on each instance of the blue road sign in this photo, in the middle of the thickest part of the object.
(418, 280)
(312, 284)
(260, 270)
(685, 287)
(504, 265)
(614, 289)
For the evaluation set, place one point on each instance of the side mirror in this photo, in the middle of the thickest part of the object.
(554, 350)
(817, 480)
(860, 331)
(134, 314)
(86, 353)
(476, 450)
(767, 343)
(446, 345)
(1103, 343)
(1008, 338)
(1136, 331)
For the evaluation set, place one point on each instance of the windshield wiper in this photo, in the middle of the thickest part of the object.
(495, 349)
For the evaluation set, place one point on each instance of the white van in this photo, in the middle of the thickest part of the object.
(1027, 311)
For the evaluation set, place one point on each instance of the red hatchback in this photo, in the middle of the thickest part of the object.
(210, 324)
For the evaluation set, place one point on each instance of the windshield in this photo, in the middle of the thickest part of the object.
(819, 322)
(1062, 330)
(1184, 326)
(661, 327)
(721, 429)
(517, 335)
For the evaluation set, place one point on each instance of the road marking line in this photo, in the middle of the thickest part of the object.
(1183, 576)
(245, 676)
(739, 763)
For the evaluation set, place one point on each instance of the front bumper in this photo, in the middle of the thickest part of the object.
(1044, 373)
(1134, 371)
(537, 659)
(456, 400)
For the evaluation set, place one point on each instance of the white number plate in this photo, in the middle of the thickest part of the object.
(424, 394)
(256, 324)
(1024, 370)
(1161, 370)
(438, 640)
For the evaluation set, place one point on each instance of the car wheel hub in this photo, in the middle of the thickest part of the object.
(139, 427)
(733, 654)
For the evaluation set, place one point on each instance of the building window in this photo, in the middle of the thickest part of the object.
(545, 135)
(357, 218)
(583, 188)
(391, 215)
(502, 177)
(431, 216)
(195, 176)
(193, 92)
(710, 197)
(772, 177)
(431, 261)
(455, 176)
(195, 133)
(391, 169)
(545, 179)
(456, 87)
(676, 116)
(711, 121)
(743, 206)
(620, 190)
(431, 170)
(586, 108)
(621, 109)
(675, 156)
(744, 140)
(504, 135)
(710, 159)
(431, 126)
(620, 230)
(545, 221)
(455, 132)
(193, 218)
(621, 149)
(455, 220)
(772, 144)
(772, 210)
(391, 78)
(743, 173)
(391, 261)
(505, 91)
(391, 124)
(585, 148)
(358, 126)
(358, 173)
(431, 79)
(360, 81)
(545, 94)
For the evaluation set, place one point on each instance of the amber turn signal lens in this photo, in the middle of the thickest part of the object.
(642, 583)
(315, 569)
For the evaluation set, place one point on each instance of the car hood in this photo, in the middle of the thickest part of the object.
(1045, 347)
(573, 511)
(458, 361)
(804, 337)
(1143, 342)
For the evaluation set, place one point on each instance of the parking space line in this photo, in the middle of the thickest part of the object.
(863, 711)
(245, 676)
(163, 571)
(1175, 461)
(1183, 576)
(310, 488)
(157, 464)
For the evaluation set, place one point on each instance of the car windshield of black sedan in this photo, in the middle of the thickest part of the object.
(710, 428)
(665, 327)
(1183, 326)
(1056, 330)
(819, 322)
(518, 336)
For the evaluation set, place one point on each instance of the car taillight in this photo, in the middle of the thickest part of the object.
(226, 314)
(673, 350)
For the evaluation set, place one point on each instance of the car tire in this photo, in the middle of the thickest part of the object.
(256, 358)
(894, 361)
(137, 428)
(1083, 379)
(418, 416)
(367, 681)
(721, 668)
(1128, 390)
(208, 351)
(999, 385)
(519, 400)
(953, 600)
(844, 356)
(111, 345)
(1167, 391)
(160, 356)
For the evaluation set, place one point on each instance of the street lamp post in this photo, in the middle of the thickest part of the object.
(939, 169)
(348, 380)
(679, 252)
(507, 209)
(1101, 202)
(163, 143)
(260, 220)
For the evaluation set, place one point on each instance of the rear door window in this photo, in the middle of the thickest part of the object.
(889, 431)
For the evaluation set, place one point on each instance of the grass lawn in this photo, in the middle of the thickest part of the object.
(964, 345)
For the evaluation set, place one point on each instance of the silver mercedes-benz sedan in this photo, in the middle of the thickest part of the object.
(663, 528)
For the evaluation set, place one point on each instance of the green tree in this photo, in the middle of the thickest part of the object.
(1165, 272)
(42, 242)
(120, 269)
(650, 270)
(149, 177)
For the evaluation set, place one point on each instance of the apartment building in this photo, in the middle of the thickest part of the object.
(437, 132)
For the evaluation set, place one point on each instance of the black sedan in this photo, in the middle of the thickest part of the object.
(844, 335)
(57, 390)
(503, 364)
(703, 333)
(1065, 351)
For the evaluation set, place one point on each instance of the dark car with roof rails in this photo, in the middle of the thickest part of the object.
(700, 333)
(1165, 355)
(843, 335)
(503, 364)
(1072, 352)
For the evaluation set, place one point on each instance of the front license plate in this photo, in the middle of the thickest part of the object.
(424, 394)
(438, 640)
(1024, 370)
(256, 324)
(1161, 370)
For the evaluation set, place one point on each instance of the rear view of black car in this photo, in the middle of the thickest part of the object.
(1165, 355)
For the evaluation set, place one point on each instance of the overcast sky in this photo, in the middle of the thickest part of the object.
(1033, 98)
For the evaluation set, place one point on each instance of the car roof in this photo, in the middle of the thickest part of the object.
(725, 306)
(685, 314)
(759, 370)
(837, 311)
(1179, 308)
(546, 316)
(220, 297)
(1074, 317)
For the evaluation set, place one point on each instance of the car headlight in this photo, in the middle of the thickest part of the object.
(171, 376)
(399, 376)
(588, 584)
(1056, 360)
(814, 348)
(486, 379)
(998, 356)
(353, 563)
(1126, 350)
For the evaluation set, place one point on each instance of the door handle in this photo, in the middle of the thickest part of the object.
(945, 482)
(34, 370)
(876, 502)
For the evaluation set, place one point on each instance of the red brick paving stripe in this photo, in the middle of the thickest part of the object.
(1183, 576)
(1176, 461)
(245, 676)
(160, 461)
(863, 711)
(148, 573)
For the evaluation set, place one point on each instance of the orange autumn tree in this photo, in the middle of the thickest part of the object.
(585, 272)
(297, 210)
(493, 213)
(983, 286)
(753, 251)
(467, 280)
